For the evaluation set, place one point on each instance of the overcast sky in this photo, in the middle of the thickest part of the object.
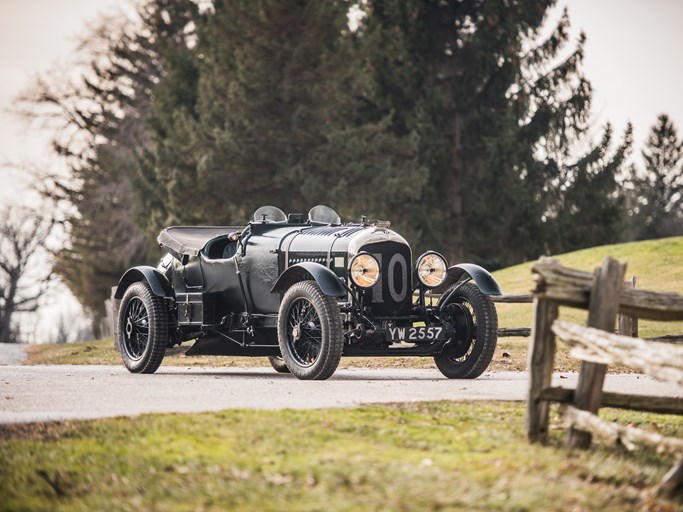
(35, 35)
(633, 59)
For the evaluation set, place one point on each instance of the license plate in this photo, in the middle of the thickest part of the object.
(416, 333)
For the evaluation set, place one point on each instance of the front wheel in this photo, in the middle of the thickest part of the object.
(469, 352)
(309, 332)
(142, 333)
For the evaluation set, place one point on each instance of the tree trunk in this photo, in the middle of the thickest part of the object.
(457, 240)
(3, 335)
(8, 309)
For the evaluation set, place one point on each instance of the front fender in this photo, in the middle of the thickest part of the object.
(327, 280)
(483, 279)
(156, 280)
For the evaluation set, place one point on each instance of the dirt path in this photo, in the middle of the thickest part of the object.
(44, 393)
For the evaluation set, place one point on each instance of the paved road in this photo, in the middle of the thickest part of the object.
(44, 393)
(12, 353)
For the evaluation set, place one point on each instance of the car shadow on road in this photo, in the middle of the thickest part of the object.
(268, 374)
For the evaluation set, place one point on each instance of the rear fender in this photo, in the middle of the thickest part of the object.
(327, 280)
(156, 280)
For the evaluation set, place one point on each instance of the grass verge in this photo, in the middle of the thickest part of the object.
(103, 352)
(421, 456)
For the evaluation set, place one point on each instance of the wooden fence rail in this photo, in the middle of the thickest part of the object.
(509, 298)
(514, 298)
(604, 294)
(659, 360)
(570, 287)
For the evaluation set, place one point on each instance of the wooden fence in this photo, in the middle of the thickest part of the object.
(514, 298)
(604, 295)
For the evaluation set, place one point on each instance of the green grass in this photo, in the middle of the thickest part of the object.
(103, 352)
(425, 456)
(657, 264)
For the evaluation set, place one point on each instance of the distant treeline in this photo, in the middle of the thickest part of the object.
(467, 124)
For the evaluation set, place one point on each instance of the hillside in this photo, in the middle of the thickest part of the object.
(656, 264)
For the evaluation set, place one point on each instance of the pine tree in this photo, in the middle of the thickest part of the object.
(590, 208)
(274, 118)
(659, 192)
(499, 115)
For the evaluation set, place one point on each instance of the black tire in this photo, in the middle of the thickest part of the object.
(142, 334)
(470, 351)
(278, 364)
(309, 332)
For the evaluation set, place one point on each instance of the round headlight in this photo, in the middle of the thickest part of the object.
(431, 269)
(364, 270)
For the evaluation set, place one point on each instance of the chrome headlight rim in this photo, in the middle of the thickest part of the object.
(422, 260)
(370, 267)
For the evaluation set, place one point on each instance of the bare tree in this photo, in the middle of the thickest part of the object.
(99, 120)
(25, 272)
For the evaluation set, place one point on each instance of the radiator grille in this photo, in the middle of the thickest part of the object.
(340, 232)
(392, 295)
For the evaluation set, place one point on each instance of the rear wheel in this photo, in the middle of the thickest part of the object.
(310, 332)
(142, 333)
(278, 364)
(469, 352)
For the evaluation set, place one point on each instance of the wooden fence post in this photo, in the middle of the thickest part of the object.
(672, 485)
(541, 363)
(628, 325)
(602, 314)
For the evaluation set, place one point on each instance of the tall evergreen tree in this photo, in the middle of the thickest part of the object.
(273, 118)
(590, 208)
(498, 115)
(659, 192)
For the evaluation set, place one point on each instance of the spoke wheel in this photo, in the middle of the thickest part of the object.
(136, 330)
(309, 332)
(143, 333)
(474, 317)
(304, 332)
